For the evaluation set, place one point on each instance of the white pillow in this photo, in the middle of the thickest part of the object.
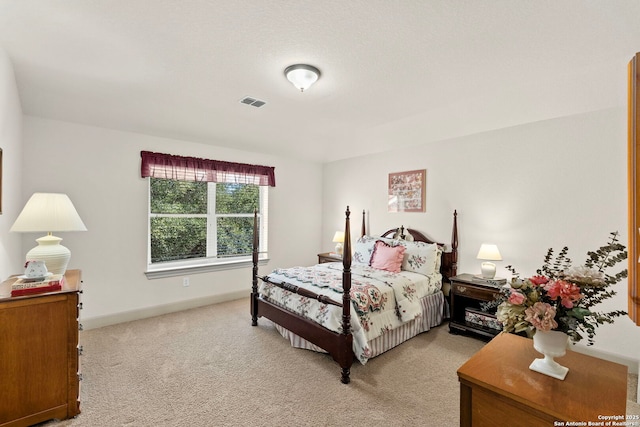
(420, 257)
(363, 249)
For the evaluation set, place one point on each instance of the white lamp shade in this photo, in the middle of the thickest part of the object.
(489, 252)
(302, 76)
(48, 212)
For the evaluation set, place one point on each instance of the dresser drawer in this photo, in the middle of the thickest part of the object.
(328, 257)
(475, 292)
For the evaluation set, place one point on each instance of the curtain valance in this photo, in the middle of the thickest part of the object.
(180, 168)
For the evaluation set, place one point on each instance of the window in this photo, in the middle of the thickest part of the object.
(203, 221)
(200, 224)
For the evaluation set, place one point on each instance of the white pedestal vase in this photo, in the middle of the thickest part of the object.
(551, 344)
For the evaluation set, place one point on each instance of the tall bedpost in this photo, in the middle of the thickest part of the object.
(454, 245)
(346, 302)
(254, 287)
(363, 230)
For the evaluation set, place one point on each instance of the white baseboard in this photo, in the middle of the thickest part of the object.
(143, 313)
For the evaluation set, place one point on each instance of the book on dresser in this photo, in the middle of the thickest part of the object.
(24, 286)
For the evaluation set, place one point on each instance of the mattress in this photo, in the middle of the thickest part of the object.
(387, 308)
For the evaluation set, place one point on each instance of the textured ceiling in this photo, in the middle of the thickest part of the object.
(394, 73)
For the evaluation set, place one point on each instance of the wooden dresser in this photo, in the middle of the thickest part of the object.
(39, 354)
(497, 388)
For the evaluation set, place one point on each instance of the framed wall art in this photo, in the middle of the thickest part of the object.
(407, 191)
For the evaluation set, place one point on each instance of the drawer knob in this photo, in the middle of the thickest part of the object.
(461, 289)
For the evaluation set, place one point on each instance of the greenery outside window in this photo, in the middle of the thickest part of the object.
(202, 225)
(199, 222)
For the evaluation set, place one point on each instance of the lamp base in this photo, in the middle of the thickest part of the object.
(488, 270)
(338, 248)
(55, 256)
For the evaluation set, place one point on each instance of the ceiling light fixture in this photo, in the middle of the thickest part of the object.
(302, 75)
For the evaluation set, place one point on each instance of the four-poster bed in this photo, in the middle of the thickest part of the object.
(313, 305)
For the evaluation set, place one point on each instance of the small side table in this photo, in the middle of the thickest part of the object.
(467, 296)
(497, 388)
(328, 257)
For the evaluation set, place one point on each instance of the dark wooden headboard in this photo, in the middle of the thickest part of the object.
(449, 264)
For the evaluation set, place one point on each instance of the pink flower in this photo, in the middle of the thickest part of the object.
(539, 280)
(567, 292)
(516, 298)
(541, 316)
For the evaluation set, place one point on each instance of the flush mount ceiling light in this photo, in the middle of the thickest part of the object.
(302, 75)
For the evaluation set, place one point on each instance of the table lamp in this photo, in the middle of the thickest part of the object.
(338, 238)
(49, 212)
(489, 252)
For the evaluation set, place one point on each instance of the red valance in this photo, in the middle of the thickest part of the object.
(180, 168)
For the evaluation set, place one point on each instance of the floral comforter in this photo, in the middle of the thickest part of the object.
(380, 300)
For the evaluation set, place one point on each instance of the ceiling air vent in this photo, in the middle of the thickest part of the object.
(252, 101)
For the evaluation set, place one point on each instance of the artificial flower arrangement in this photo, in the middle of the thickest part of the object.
(561, 297)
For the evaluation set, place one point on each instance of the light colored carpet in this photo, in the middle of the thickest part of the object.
(209, 367)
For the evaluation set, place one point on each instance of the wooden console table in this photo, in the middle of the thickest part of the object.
(39, 354)
(497, 387)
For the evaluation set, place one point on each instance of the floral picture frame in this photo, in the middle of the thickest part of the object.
(407, 191)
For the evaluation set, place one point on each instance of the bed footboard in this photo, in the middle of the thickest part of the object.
(338, 345)
(300, 291)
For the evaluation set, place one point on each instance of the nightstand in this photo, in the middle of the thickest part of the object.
(328, 257)
(466, 296)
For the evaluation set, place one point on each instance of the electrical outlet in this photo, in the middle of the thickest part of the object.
(185, 281)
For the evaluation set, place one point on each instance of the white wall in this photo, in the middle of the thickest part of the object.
(11, 178)
(100, 171)
(526, 188)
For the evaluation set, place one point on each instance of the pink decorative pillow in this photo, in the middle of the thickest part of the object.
(387, 257)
